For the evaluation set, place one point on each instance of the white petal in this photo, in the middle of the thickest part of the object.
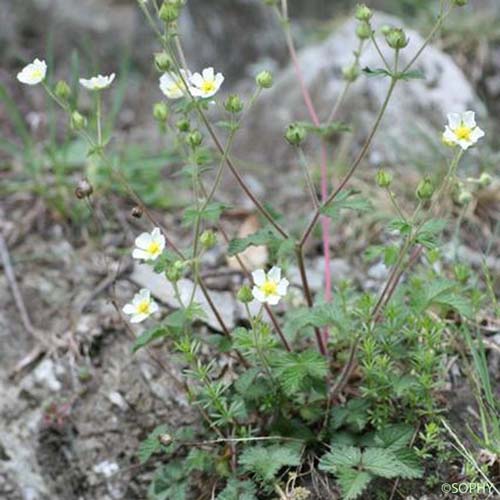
(259, 295)
(208, 73)
(153, 307)
(449, 135)
(454, 120)
(196, 79)
(464, 144)
(128, 309)
(140, 254)
(219, 79)
(282, 287)
(138, 318)
(274, 274)
(477, 134)
(259, 277)
(144, 293)
(469, 119)
(272, 300)
(143, 241)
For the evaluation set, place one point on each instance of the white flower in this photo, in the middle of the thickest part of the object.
(149, 246)
(33, 73)
(172, 85)
(269, 288)
(141, 307)
(98, 82)
(462, 130)
(207, 84)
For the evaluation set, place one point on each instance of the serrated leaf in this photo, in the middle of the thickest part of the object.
(348, 200)
(353, 482)
(429, 232)
(394, 437)
(413, 74)
(341, 456)
(409, 466)
(211, 213)
(151, 444)
(400, 226)
(326, 130)
(228, 125)
(320, 315)
(238, 490)
(264, 236)
(380, 462)
(149, 336)
(371, 73)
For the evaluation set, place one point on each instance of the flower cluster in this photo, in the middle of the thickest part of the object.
(204, 85)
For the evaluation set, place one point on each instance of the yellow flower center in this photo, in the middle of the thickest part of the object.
(463, 132)
(269, 288)
(153, 248)
(36, 73)
(208, 86)
(143, 307)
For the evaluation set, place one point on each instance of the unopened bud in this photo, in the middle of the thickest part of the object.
(245, 295)
(485, 179)
(425, 189)
(160, 112)
(234, 104)
(264, 79)
(385, 29)
(383, 178)
(84, 189)
(464, 197)
(295, 134)
(396, 38)
(163, 62)
(351, 73)
(78, 121)
(136, 212)
(183, 125)
(208, 239)
(62, 90)
(169, 12)
(194, 139)
(174, 273)
(363, 13)
(363, 31)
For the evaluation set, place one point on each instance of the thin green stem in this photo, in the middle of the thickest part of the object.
(379, 51)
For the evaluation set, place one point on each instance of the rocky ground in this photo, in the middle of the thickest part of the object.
(75, 401)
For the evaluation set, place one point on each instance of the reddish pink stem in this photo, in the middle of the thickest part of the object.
(325, 222)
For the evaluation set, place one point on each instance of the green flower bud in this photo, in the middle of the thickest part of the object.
(383, 178)
(386, 29)
(485, 179)
(462, 272)
(183, 125)
(363, 13)
(174, 273)
(295, 134)
(163, 62)
(264, 79)
(208, 239)
(459, 3)
(245, 294)
(62, 90)
(169, 12)
(78, 121)
(351, 73)
(396, 38)
(464, 197)
(425, 189)
(194, 138)
(160, 112)
(233, 104)
(364, 31)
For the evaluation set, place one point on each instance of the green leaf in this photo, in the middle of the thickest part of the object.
(371, 73)
(228, 125)
(326, 131)
(400, 226)
(348, 200)
(152, 444)
(342, 456)
(264, 236)
(409, 466)
(211, 213)
(149, 336)
(265, 463)
(295, 370)
(353, 482)
(353, 415)
(394, 437)
(238, 490)
(429, 232)
(318, 316)
(380, 462)
(414, 74)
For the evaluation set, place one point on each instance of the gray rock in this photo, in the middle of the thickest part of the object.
(415, 117)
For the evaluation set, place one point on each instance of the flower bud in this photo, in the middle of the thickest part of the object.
(183, 125)
(84, 189)
(233, 104)
(364, 31)
(78, 121)
(464, 197)
(351, 73)
(459, 3)
(169, 12)
(425, 189)
(396, 38)
(383, 178)
(174, 273)
(194, 138)
(245, 294)
(363, 13)
(385, 29)
(160, 112)
(163, 62)
(295, 134)
(62, 90)
(208, 239)
(485, 179)
(264, 79)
